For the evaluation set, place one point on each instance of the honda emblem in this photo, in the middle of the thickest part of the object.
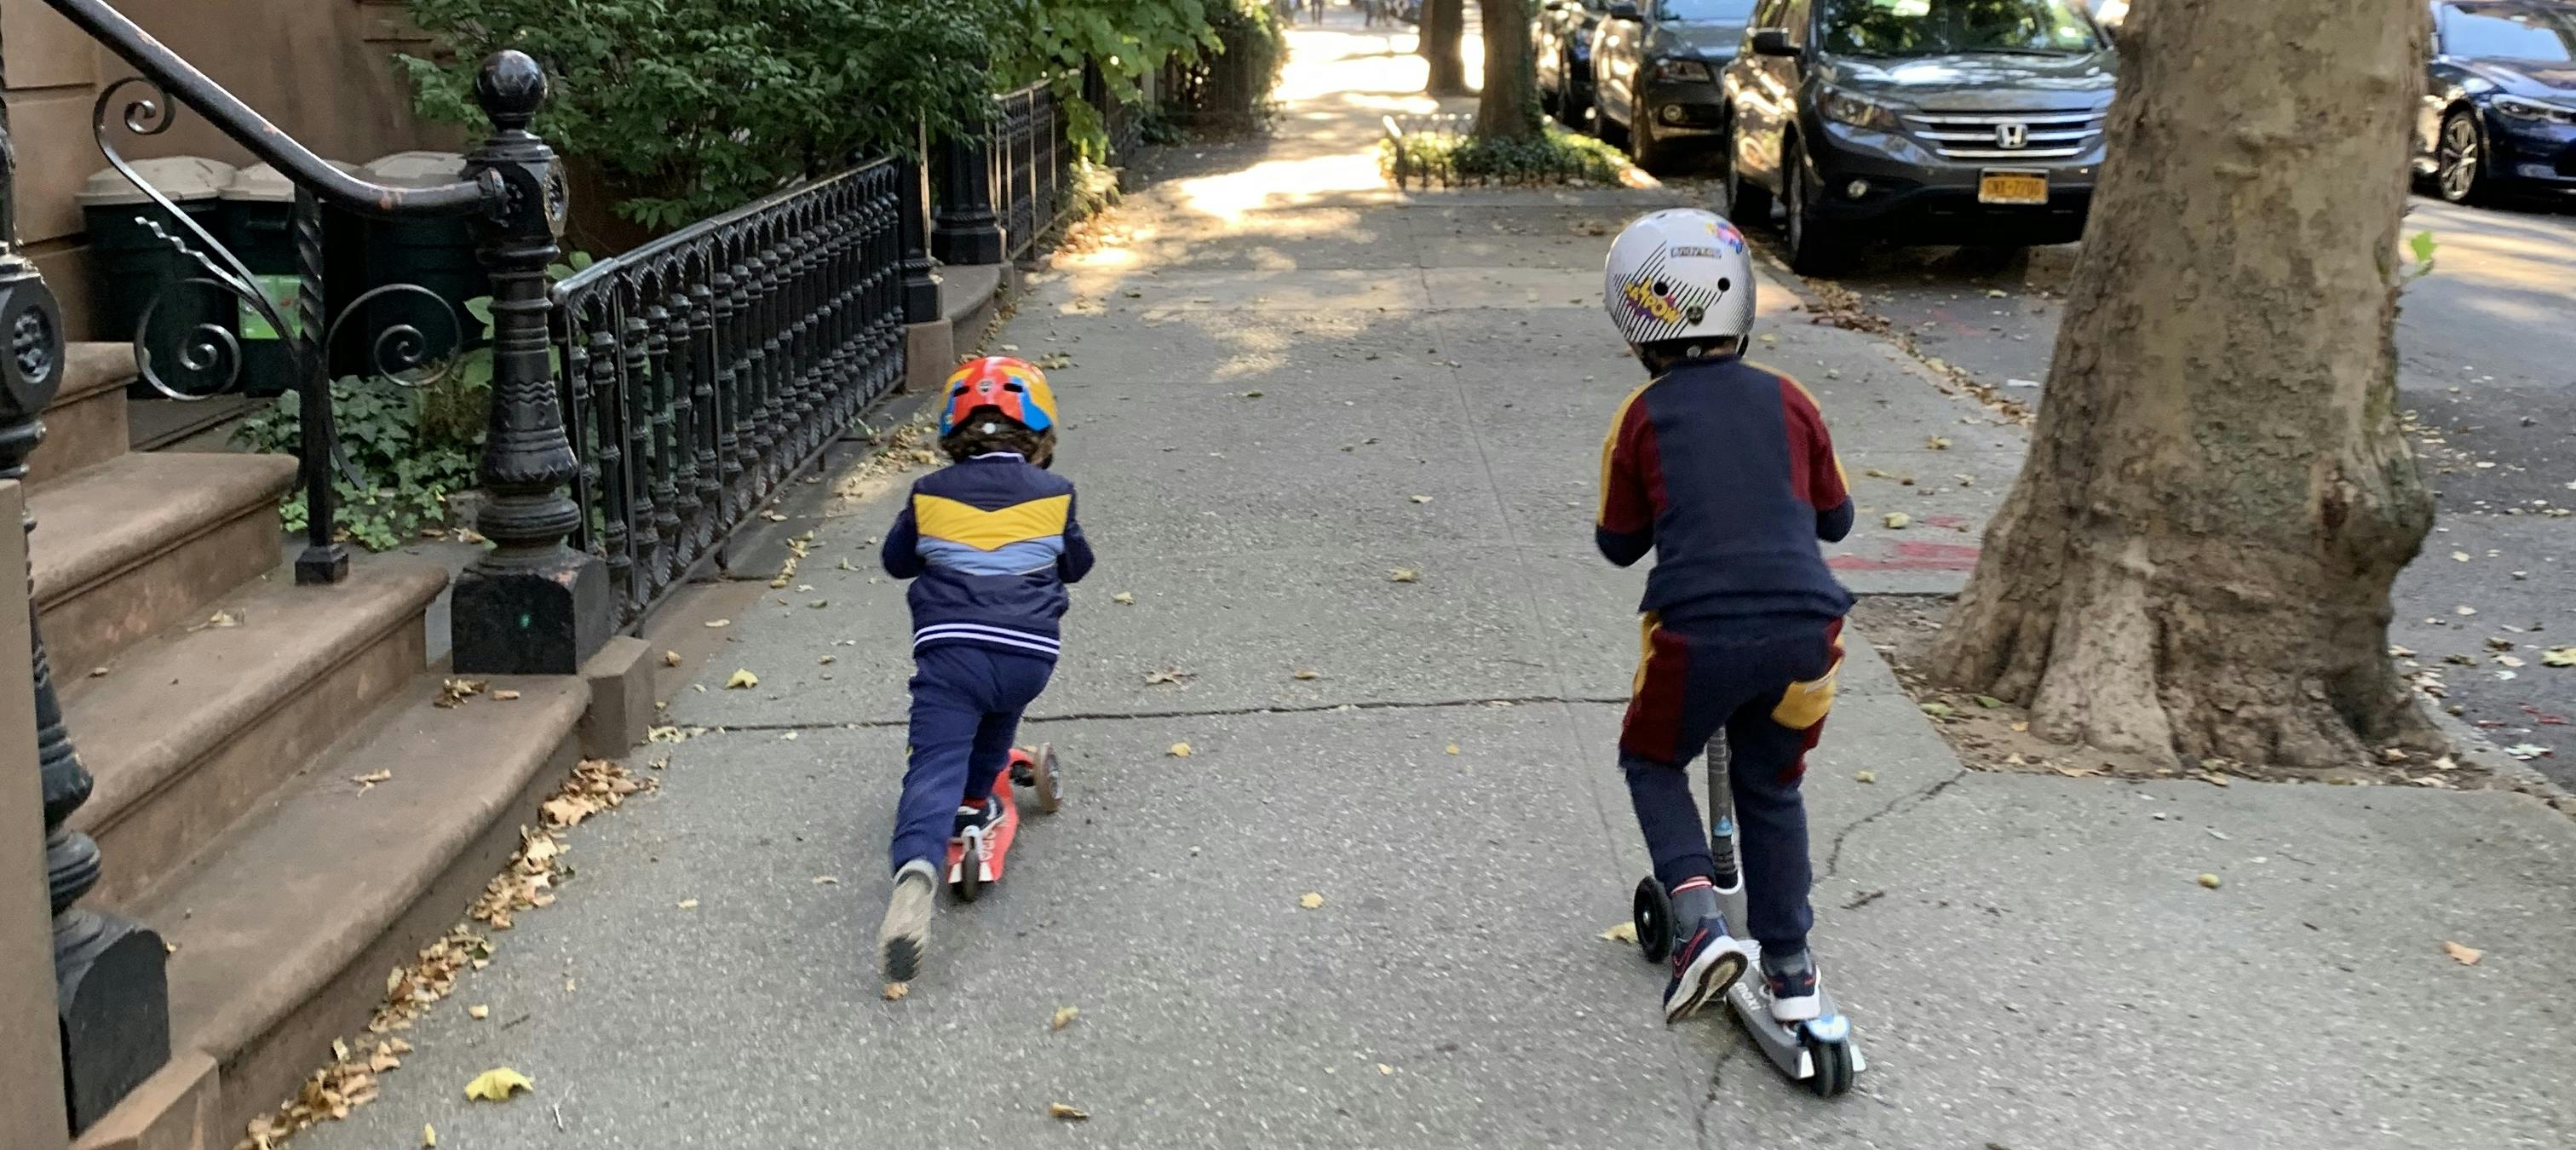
(2012, 136)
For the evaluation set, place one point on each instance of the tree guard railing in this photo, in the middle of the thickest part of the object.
(704, 369)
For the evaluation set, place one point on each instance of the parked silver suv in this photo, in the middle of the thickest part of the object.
(1917, 121)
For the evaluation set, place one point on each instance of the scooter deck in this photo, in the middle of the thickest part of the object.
(997, 849)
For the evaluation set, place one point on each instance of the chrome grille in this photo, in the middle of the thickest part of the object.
(1987, 135)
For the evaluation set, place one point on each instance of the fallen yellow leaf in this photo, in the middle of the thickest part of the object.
(1453, 748)
(688, 904)
(478, 1013)
(894, 991)
(1383, 1068)
(1897, 520)
(1179, 751)
(1063, 1017)
(497, 1085)
(670, 658)
(1305, 674)
(1311, 900)
(742, 681)
(715, 623)
(1404, 575)
(2558, 657)
(505, 696)
(1624, 932)
(1124, 598)
(1865, 776)
(2210, 881)
(428, 1136)
(2464, 955)
(827, 880)
(1068, 1113)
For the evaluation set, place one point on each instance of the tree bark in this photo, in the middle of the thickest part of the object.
(2197, 555)
(1444, 34)
(1508, 109)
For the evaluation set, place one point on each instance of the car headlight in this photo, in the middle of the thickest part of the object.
(1683, 71)
(1845, 108)
(2516, 108)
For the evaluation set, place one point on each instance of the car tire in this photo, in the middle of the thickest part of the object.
(1650, 151)
(1747, 203)
(2459, 159)
(1815, 248)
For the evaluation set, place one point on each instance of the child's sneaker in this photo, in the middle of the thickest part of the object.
(1795, 996)
(985, 815)
(906, 930)
(1703, 969)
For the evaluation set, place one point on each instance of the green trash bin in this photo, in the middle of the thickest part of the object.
(130, 266)
(259, 226)
(436, 254)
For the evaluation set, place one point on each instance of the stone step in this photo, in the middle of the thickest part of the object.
(141, 543)
(85, 426)
(194, 728)
(284, 934)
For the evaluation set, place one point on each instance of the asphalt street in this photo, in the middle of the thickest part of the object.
(2487, 365)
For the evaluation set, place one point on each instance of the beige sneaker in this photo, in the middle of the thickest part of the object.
(907, 921)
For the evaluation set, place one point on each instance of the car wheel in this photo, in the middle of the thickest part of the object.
(1747, 203)
(1814, 247)
(2457, 159)
(1644, 146)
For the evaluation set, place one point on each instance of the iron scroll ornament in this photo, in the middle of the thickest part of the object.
(210, 359)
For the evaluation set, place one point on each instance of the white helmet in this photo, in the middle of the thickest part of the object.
(1678, 274)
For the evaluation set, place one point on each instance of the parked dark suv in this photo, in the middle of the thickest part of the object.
(2499, 98)
(1654, 74)
(1917, 121)
(1561, 33)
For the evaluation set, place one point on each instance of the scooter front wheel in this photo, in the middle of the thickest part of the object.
(1833, 1064)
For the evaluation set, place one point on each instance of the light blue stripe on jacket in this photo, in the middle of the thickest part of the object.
(1007, 559)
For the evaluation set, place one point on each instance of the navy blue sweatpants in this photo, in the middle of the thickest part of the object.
(1768, 689)
(966, 704)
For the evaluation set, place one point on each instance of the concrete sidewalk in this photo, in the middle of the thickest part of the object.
(1280, 358)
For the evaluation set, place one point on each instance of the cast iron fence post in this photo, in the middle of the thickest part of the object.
(967, 231)
(920, 291)
(531, 605)
(324, 559)
(112, 999)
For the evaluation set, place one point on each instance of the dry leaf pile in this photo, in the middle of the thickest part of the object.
(454, 692)
(349, 1080)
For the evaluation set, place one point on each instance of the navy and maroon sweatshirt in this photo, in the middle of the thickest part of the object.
(1726, 472)
(989, 544)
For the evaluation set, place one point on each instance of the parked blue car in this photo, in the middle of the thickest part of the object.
(2500, 99)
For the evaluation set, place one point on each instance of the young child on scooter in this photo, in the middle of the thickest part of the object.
(990, 542)
(1724, 470)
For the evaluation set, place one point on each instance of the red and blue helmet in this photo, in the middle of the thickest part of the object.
(1012, 388)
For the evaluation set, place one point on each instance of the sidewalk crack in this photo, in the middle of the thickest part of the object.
(1834, 857)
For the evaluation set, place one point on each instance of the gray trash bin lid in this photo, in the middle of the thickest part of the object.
(182, 178)
(264, 184)
(416, 169)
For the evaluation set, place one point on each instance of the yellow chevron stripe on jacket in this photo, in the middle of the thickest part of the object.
(989, 530)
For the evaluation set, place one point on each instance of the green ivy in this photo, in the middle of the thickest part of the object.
(416, 442)
(1127, 40)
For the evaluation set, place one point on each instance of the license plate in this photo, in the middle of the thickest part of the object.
(2012, 188)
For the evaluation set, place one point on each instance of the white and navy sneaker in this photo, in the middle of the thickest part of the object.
(906, 930)
(1704, 967)
(982, 816)
(1796, 994)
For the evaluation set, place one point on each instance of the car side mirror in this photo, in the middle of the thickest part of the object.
(1626, 10)
(1773, 42)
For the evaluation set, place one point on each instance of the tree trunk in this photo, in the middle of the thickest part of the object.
(1444, 34)
(2197, 555)
(1508, 109)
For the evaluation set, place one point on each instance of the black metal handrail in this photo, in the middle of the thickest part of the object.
(702, 370)
(176, 77)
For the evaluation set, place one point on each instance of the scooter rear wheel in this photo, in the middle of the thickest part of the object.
(1653, 912)
(1045, 780)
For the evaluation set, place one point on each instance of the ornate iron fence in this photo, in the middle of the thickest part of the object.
(704, 369)
(1031, 164)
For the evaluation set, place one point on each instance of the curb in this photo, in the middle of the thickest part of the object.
(2472, 746)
